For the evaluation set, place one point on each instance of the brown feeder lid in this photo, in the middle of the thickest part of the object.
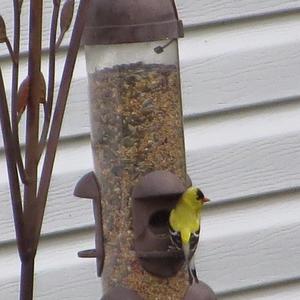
(130, 21)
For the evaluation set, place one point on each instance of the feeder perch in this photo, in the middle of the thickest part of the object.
(88, 187)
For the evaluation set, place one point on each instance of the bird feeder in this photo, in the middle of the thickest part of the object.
(137, 140)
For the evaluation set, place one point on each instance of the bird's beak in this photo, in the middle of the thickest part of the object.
(205, 200)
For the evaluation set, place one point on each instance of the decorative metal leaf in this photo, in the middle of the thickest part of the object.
(4, 39)
(23, 94)
(65, 19)
(42, 89)
(66, 15)
(3, 36)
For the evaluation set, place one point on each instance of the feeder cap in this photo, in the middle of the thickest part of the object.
(130, 21)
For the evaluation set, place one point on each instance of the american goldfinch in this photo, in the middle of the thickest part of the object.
(184, 226)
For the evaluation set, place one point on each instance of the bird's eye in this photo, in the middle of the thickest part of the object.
(199, 194)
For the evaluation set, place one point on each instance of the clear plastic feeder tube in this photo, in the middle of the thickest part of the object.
(136, 128)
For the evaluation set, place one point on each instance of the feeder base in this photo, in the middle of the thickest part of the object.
(199, 291)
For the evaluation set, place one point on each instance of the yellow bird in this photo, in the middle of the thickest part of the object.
(184, 225)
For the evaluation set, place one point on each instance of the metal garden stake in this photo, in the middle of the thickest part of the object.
(26, 100)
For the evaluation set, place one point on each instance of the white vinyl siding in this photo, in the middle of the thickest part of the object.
(240, 65)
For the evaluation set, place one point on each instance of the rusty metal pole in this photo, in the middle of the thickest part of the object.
(32, 141)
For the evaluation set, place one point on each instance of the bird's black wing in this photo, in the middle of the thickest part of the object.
(175, 238)
(194, 241)
(176, 241)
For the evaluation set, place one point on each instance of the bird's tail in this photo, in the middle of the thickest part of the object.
(186, 251)
(192, 268)
(190, 263)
